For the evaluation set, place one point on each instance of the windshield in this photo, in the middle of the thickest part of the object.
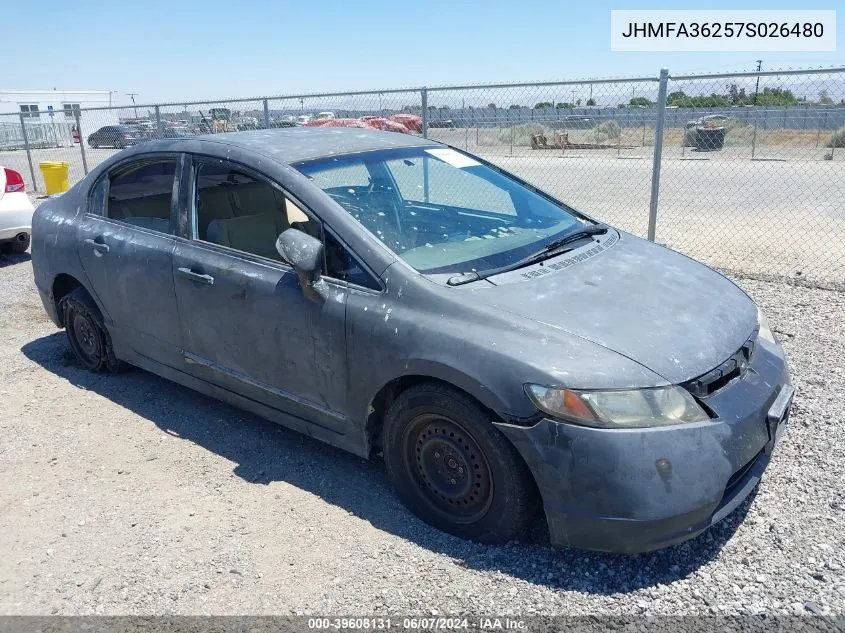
(441, 210)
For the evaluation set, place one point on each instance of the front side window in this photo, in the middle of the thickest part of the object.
(237, 210)
(440, 210)
(343, 265)
(141, 194)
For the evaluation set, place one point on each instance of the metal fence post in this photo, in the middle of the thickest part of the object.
(658, 152)
(28, 153)
(158, 122)
(81, 141)
(424, 101)
(754, 133)
(266, 115)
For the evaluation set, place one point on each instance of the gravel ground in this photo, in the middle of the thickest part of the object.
(127, 495)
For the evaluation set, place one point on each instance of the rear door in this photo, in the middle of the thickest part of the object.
(247, 326)
(126, 240)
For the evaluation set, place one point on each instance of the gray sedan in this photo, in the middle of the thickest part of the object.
(388, 294)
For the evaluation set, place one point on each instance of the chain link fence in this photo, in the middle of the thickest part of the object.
(744, 171)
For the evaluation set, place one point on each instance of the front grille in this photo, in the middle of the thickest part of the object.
(734, 367)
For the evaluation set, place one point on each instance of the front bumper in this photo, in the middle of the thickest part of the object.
(637, 490)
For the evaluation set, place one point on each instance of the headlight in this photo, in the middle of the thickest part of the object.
(765, 331)
(635, 408)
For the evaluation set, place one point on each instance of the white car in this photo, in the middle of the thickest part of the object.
(15, 212)
(325, 116)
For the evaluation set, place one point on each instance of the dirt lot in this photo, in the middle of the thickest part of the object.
(128, 494)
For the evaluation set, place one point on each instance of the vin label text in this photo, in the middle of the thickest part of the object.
(723, 30)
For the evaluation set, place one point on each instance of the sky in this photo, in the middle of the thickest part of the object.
(188, 50)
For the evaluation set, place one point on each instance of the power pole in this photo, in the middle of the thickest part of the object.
(756, 88)
(132, 96)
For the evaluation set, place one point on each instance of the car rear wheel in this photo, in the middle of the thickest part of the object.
(453, 469)
(86, 333)
(17, 245)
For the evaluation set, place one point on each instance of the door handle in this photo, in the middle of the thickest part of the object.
(99, 247)
(190, 274)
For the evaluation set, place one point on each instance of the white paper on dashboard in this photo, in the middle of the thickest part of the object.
(450, 156)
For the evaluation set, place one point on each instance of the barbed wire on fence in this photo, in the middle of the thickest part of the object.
(741, 170)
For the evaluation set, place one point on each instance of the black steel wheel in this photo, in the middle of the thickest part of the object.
(447, 462)
(453, 468)
(86, 333)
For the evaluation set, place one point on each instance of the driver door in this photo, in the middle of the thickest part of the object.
(246, 324)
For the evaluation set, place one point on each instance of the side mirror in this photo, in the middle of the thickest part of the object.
(305, 254)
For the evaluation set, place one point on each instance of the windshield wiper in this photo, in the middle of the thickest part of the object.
(547, 251)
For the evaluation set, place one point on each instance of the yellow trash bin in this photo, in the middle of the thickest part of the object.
(55, 176)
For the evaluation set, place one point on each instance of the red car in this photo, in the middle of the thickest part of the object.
(370, 122)
(411, 121)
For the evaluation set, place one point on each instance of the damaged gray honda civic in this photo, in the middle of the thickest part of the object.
(512, 358)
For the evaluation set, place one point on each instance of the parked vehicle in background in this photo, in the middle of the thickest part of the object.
(412, 122)
(712, 120)
(343, 122)
(325, 116)
(444, 123)
(166, 130)
(284, 122)
(15, 212)
(500, 349)
(303, 119)
(386, 125)
(117, 136)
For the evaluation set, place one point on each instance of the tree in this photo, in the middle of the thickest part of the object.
(641, 102)
(515, 107)
(542, 105)
(591, 102)
(676, 96)
(776, 97)
(492, 106)
(737, 96)
(563, 105)
(824, 98)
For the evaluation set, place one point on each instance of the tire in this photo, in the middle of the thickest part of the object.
(453, 469)
(86, 333)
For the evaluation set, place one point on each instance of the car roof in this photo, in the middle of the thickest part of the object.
(293, 145)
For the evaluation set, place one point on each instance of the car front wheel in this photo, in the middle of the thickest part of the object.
(453, 469)
(86, 333)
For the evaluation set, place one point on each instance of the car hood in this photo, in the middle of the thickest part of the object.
(657, 307)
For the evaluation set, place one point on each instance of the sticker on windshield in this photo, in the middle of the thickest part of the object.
(453, 158)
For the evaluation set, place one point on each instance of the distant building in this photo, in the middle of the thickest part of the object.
(38, 103)
(50, 115)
